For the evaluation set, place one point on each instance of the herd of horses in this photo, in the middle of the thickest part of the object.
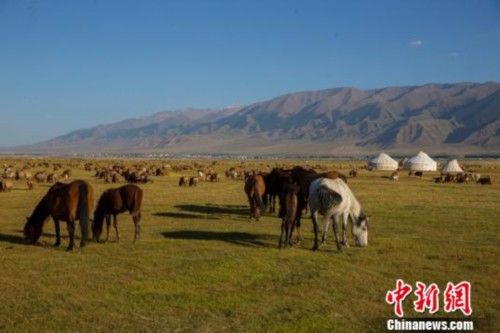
(297, 189)
(74, 201)
(292, 190)
(287, 192)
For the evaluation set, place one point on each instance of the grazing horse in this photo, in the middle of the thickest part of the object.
(332, 198)
(113, 202)
(64, 202)
(290, 203)
(255, 188)
(304, 178)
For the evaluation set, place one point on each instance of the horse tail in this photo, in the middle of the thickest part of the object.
(138, 196)
(83, 209)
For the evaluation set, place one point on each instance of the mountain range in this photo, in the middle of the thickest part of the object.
(440, 118)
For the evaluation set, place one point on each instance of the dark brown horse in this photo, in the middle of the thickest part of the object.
(255, 188)
(303, 178)
(64, 202)
(113, 202)
(276, 181)
(290, 206)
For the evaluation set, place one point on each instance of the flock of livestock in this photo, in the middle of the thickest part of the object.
(287, 192)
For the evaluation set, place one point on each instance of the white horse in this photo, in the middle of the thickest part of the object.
(332, 198)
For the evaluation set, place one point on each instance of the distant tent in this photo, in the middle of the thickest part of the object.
(383, 162)
(452, 166)
(421, 162)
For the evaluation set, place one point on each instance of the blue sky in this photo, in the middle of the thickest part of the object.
(71, 64)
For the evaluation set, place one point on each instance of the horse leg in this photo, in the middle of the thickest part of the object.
(83, 239)
(289, 231)
(297, 221)
(252, 209)
(283, 232)
(345, 220)
(115, 225)
(108, 224)
(136, 224)
(314, 218)
(58, 233)
(71, 232)
(326, 225)
(336, 231)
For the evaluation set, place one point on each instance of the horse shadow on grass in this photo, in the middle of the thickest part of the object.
(13, 239)
(208, 211)
(233, 237)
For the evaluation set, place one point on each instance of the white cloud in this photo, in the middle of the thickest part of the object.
(415, 43)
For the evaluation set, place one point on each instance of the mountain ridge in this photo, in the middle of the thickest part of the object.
(462, 117)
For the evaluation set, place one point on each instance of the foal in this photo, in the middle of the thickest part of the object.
(113, 202)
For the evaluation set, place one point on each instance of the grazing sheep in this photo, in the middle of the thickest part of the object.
(6, 185)
(193, 181)
(394, 176)
(486, 180)
(183, 181)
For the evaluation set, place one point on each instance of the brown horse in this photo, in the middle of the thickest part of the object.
(64, 202)
(113, 202)
(255, 188)
(290, 202)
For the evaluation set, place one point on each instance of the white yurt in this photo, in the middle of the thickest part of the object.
(452, 166)
(421, 162)
(383, 162)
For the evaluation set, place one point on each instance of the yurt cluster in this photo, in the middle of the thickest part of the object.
(451, 171)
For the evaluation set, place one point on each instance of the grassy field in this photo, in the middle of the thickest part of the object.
(201, 265)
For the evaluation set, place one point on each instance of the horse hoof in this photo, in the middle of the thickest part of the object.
(69, 248)
(57, 244)
(315, 248)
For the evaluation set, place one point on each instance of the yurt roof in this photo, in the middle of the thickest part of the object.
(383, 161)
(421, 162)
(383, 158)
(452, 166)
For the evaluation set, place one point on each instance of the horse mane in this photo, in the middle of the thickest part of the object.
(102, 204)
(36, 220)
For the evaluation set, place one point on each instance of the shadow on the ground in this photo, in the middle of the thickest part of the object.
(178, 215)
(13, 239)
(207, 211)
(216, 209)
(234, 237)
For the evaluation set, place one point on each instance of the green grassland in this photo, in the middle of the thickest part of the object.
(201, 265)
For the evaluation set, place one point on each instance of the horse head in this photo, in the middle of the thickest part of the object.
(360, 230)
(32, 230)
